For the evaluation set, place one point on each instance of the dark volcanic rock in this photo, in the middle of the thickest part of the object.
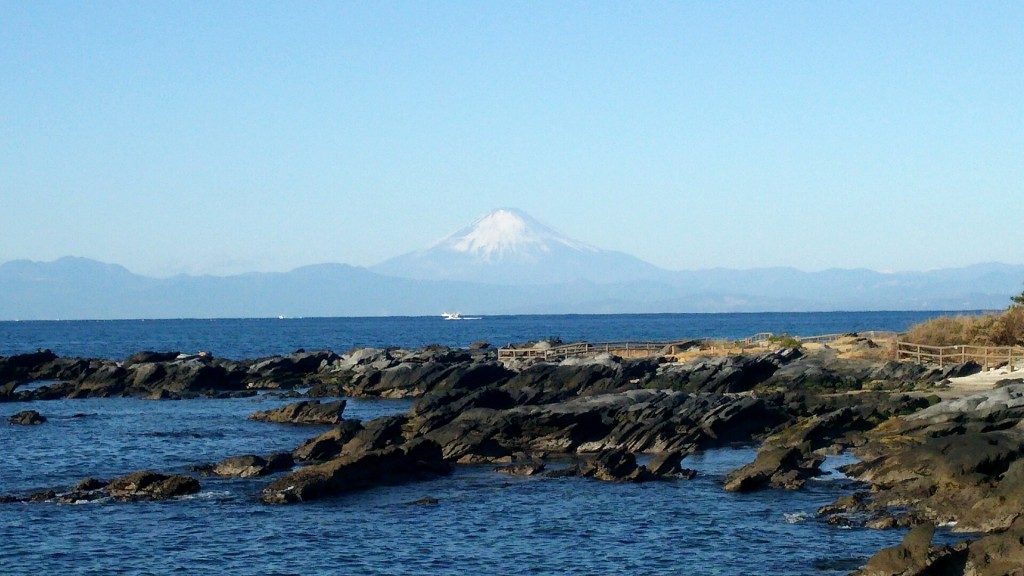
(148, 485)
(142, 485)
(911, 556)
(725, 374)
(288, 371)
(960, 460)
(669, 465)
(527, 468)
(22, 368)
(640, 421)
(998, 554)
(88, 484)
(147, 357)
(27, 418)
(305, 412)
(251, 465)
(415, 460)
(615, 465)
(781, 467)
(825, 370)
(329, 444)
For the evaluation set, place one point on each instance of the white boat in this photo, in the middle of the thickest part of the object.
(457, 316)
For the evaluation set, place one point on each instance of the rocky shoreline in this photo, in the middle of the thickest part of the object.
(923, 460)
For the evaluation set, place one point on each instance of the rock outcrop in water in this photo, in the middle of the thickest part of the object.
(305, 412)
(27, 418)
(148, 485)
(141, 485)
(363, 469)
(250, 465)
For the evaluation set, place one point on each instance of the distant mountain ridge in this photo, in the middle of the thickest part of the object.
(504, 263)
(77, 288)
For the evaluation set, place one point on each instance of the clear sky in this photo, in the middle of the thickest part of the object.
(219, 137)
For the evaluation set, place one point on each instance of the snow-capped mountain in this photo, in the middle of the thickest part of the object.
(507, 246)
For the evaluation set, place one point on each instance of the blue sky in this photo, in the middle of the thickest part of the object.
(220, 137)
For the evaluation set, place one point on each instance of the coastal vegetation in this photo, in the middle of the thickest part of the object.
(1004, 328)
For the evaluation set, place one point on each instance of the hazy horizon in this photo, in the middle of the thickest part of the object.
(233, 137)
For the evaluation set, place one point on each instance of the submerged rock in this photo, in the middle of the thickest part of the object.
(149, 485)
(27, 418)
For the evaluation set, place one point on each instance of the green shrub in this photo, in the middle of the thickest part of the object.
(785, 341)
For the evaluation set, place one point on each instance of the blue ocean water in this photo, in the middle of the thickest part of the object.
(484, 522)
(256, 337)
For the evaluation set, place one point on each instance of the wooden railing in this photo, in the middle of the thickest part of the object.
(621, 348)
(987, 356)
(829, 338)
(822, 338)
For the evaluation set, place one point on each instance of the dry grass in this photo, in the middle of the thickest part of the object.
(998, 329)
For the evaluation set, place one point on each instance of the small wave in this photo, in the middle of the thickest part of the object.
(88, 501)
(947, 524)
(795, 517)
(183, 434)
(207, 495)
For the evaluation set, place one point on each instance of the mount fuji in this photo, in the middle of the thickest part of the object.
(509, 247)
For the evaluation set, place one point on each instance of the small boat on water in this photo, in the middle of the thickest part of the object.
(457, 316)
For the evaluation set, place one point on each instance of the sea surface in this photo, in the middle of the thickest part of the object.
(484, 522)
(258, 337)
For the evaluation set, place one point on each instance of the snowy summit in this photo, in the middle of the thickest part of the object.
(507, 246)
(507, 232)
